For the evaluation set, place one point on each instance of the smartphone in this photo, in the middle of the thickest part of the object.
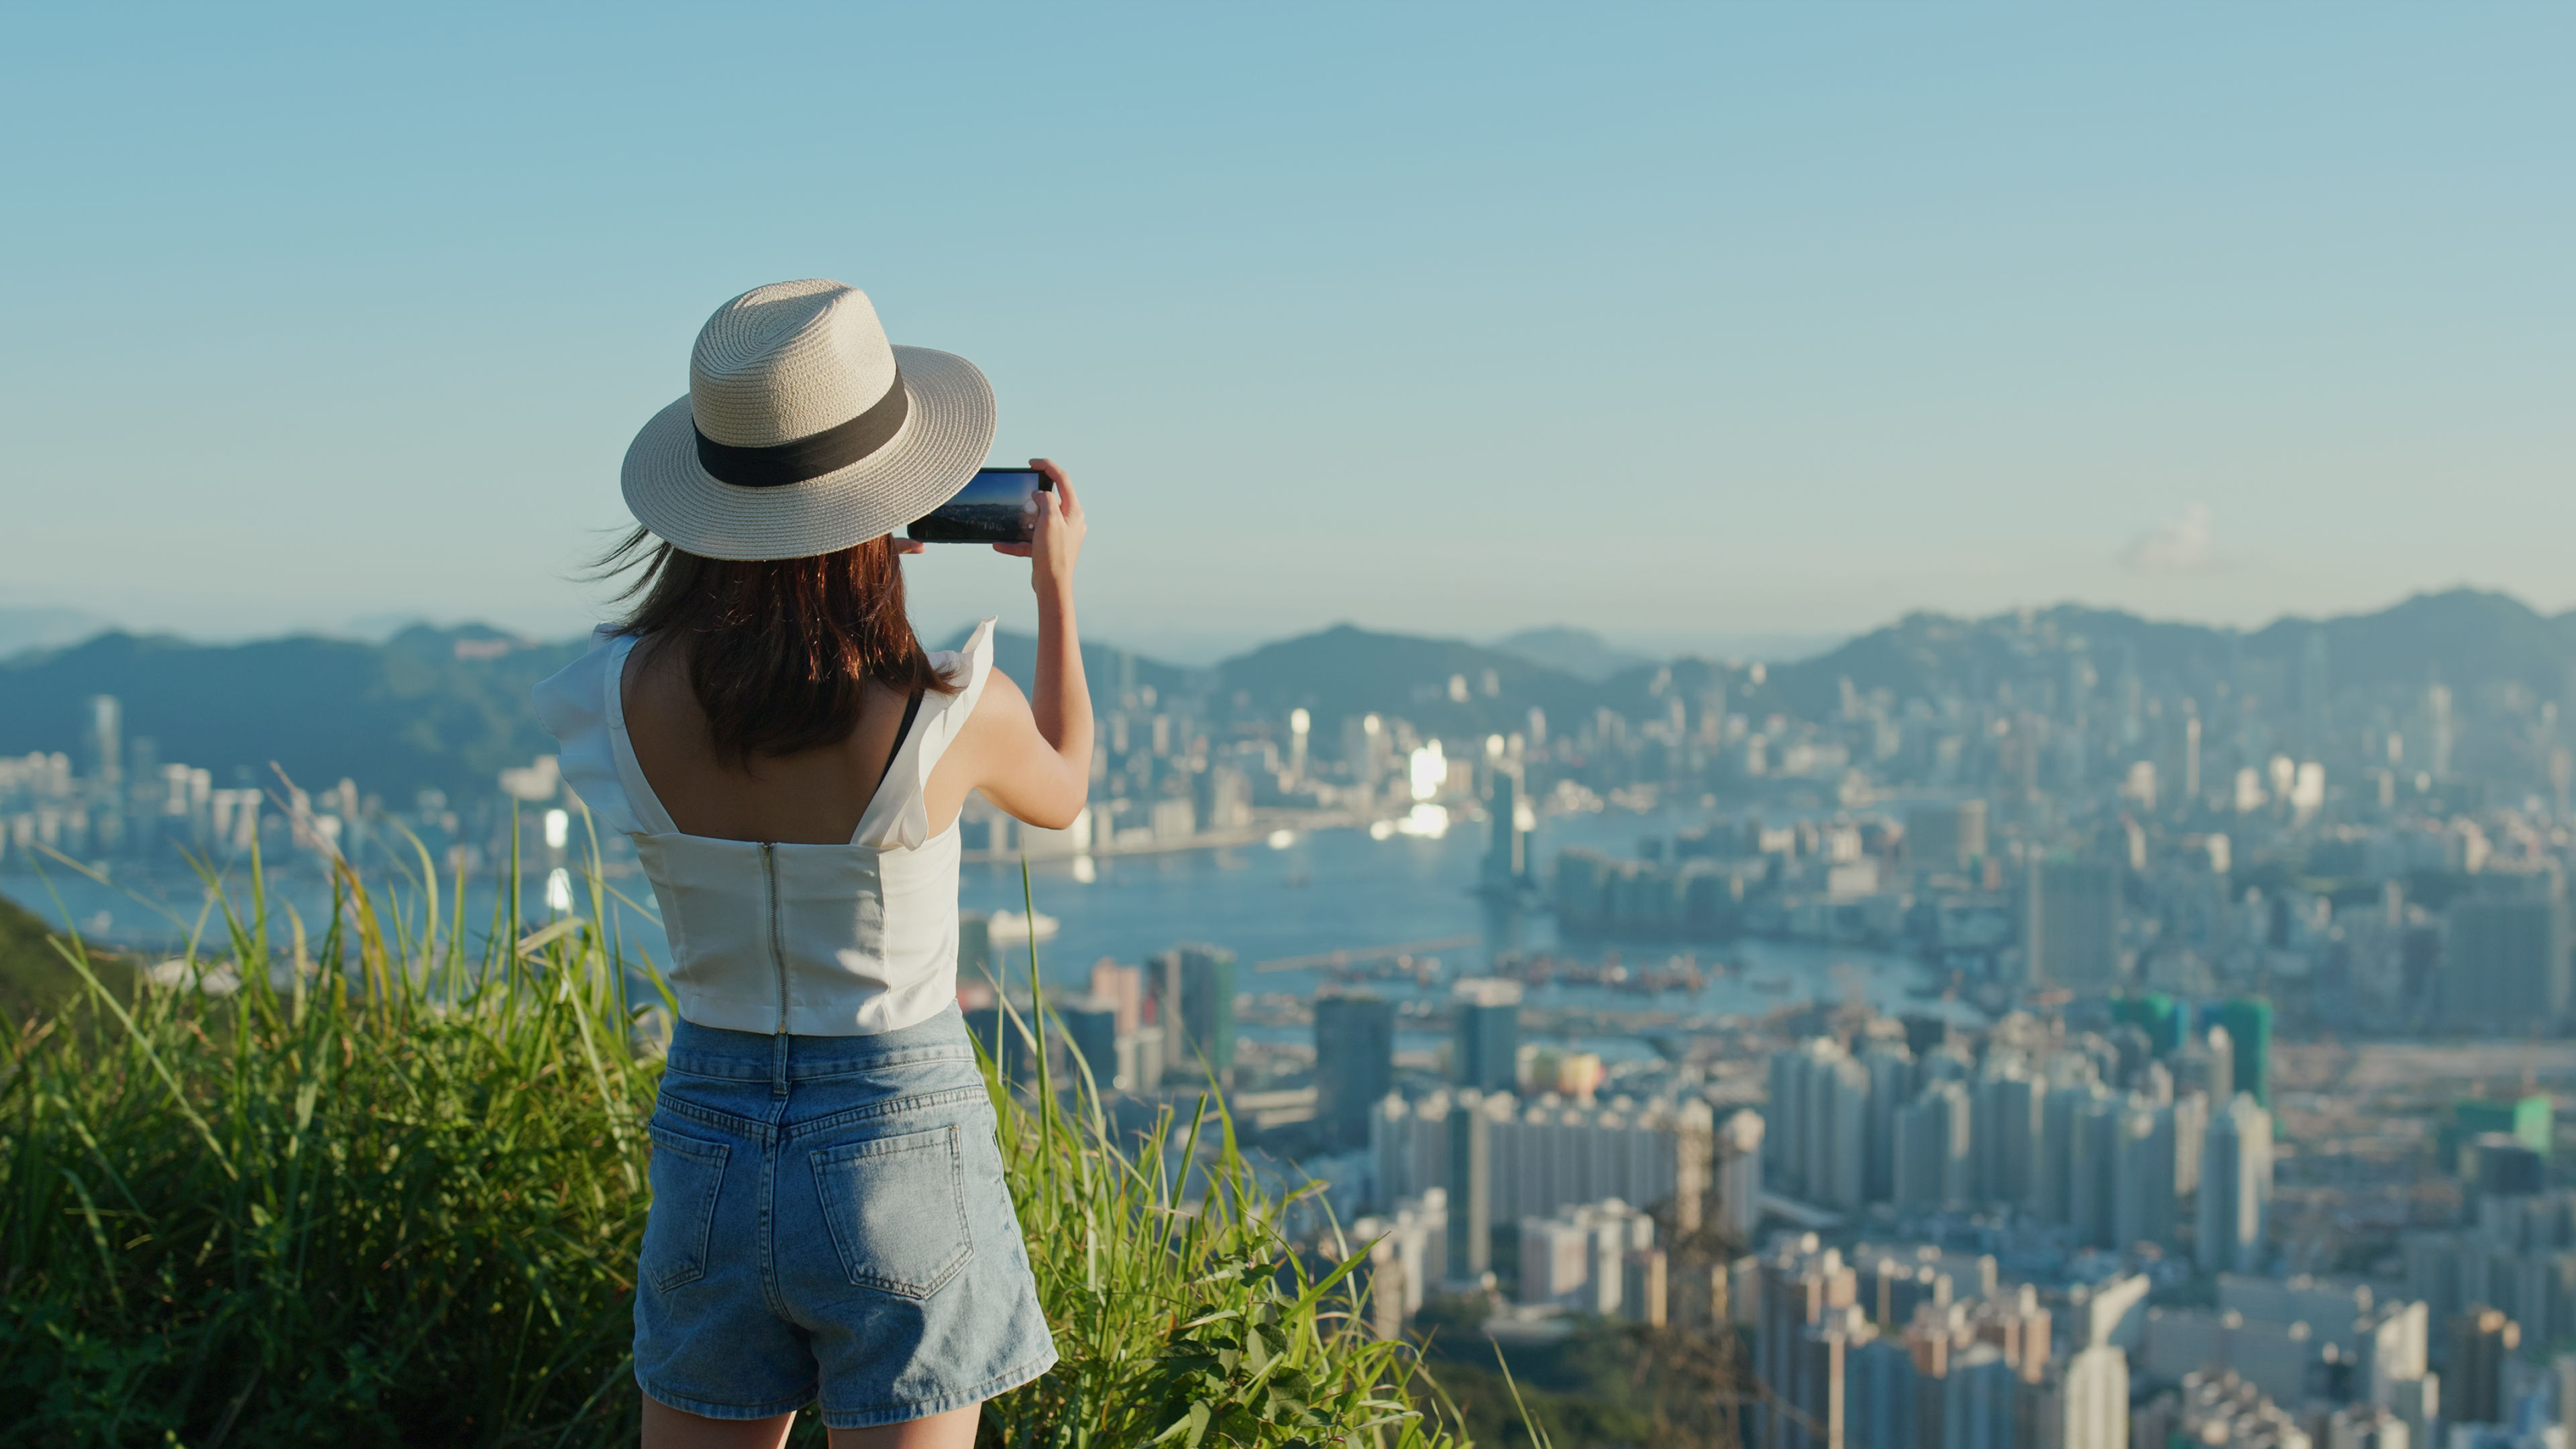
(998, 505)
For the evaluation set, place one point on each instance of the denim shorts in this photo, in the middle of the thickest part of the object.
(830, 1220)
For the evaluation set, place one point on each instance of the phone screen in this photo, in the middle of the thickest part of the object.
(998, 505)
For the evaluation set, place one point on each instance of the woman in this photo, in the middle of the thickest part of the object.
(829, 1218)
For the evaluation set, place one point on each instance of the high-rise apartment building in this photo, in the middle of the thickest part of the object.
(1932, 1148)
(1540, 1157)
(2483, 1342)
(1892, 1082)
(1977, 1399)
(2235, 1198)
(1586, 1257)
(1804, 1287)
(1354, 1065)
(1488, 1046)
(2072, 915)
(1818, 1125)
(1736, 1175)
(2158, 1153)
(1882, 1397)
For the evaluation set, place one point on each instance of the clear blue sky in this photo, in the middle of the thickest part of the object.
(1680, 323)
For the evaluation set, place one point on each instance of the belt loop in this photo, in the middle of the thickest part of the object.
(778, 1065)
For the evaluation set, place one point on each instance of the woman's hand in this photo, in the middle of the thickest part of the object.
(1058, 539)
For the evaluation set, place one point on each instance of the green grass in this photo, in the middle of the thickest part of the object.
(391, 1189)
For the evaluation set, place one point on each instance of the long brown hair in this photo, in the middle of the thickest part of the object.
(779, 649)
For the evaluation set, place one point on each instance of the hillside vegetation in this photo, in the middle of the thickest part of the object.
(34, 978)
(387, 1187)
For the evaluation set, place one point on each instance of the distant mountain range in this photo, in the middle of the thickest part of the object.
(448, 708)
(24, 629)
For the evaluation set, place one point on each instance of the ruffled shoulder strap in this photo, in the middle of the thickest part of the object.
(579, 705)
(899, 817)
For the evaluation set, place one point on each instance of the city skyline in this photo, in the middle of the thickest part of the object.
(2245, 328)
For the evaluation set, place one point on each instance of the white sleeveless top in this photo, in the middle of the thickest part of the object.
(815, 940)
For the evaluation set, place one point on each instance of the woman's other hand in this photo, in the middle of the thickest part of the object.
(1057, 542)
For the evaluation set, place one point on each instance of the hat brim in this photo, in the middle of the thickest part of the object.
(947, 431)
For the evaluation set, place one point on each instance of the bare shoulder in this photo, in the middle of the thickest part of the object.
(1000, 710)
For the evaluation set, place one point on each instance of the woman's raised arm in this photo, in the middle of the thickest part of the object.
(1031, 754)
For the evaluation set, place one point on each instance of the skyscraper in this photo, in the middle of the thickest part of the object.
(2438, 733)
(2146, 1205)
(1354, 1064)
(2483, 1340)
(2191, 759)
(2061, 1156)
(2235, 1199)
(2089, 1402)
(1471, 1197)
(2092, 1170)
(104, 739)
(1198, 998)
(2249, 1034)
(1091, 1032)
(2073, 917)
(1489, 1032)
(2007, 1133)
(2315, 699)
(1507, 863)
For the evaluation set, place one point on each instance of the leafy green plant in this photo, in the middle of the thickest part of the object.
(382, 1177)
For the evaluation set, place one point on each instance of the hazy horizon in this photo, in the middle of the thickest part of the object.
(23, 628)
(1674, 324)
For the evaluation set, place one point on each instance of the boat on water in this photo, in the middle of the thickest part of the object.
(1016, 926)
(1773, 984)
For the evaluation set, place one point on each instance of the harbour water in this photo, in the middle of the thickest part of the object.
(1279, 907)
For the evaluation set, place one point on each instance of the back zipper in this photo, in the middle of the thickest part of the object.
(777, 955)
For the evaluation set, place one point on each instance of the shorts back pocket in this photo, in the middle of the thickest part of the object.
(686, 1175)
(896, 1208)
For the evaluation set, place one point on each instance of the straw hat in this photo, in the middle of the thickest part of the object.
(805, 431)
